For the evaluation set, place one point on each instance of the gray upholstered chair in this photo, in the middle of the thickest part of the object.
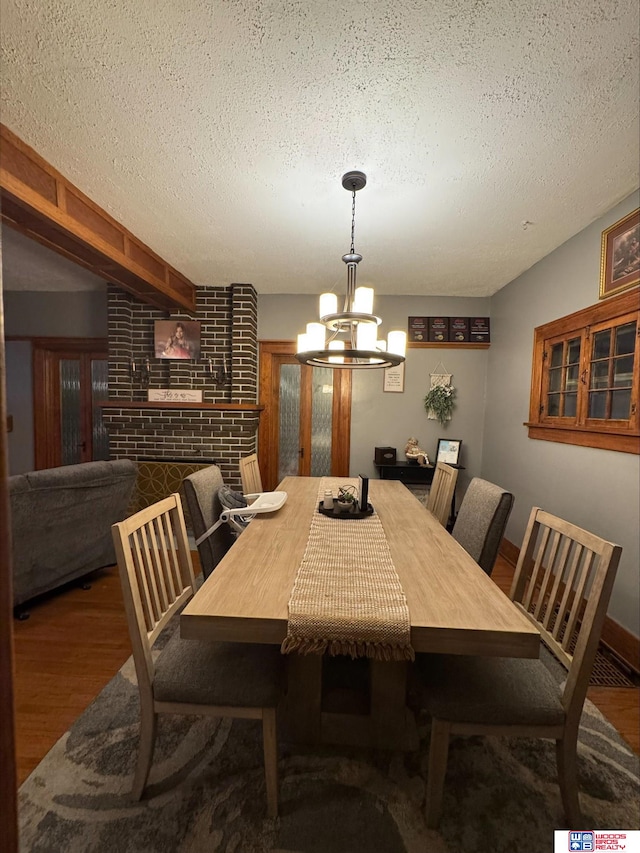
(481, 521)
(201, 492)
(237, 680)
(562, 583)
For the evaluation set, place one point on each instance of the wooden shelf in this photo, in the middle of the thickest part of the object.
(144, 404)
(446, 345)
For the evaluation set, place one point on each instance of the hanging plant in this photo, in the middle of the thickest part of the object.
(439, 403)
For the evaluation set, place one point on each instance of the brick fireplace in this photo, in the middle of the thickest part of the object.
(223, 427)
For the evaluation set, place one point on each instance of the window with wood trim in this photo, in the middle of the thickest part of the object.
(586, 377)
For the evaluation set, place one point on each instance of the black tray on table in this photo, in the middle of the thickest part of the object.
(339, 513)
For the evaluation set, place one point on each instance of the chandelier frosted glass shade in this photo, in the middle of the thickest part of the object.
(349, 338)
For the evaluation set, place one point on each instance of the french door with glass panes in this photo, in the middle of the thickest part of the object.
(305, 423)
(70, 381)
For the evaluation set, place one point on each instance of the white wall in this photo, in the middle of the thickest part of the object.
(381, 418)
(77, 314)
(596, 489)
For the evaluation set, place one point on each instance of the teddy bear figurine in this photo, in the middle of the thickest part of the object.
(414, 453)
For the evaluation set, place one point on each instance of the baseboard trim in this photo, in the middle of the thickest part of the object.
(615, 637)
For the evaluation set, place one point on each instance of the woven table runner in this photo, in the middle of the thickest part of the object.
(347, 598)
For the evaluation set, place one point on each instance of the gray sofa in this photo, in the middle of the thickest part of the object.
(61, 522)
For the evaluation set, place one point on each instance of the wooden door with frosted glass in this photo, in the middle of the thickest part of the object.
(305, 425)
(69, 383)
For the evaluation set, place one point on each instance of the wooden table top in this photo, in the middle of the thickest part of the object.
(454, 606)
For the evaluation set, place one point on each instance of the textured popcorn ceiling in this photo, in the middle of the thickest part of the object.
(218, 131)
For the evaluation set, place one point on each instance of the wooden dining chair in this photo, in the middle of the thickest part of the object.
(239, 680)
(441, 492)
(250, 475)
(562, 583)
(481, 521)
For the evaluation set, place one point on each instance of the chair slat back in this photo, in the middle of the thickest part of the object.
(250, 475)
(563, 583)
(156, 572)
(441, 492)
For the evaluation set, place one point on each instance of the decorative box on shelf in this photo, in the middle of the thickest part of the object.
(384, 455)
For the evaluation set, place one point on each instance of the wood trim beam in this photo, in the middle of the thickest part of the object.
(42, 204)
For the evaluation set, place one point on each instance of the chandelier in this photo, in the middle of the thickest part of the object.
(324, 344)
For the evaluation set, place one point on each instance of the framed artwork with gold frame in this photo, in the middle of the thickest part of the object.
(620, 255)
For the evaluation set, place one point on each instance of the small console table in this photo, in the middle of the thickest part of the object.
(408, 472)
(416, 475)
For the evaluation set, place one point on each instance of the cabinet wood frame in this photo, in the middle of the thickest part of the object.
(620, 435)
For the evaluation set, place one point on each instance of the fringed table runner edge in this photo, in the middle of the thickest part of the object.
(370, 616)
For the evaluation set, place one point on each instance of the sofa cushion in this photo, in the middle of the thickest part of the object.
(61, 522)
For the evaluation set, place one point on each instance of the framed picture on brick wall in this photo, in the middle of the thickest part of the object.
(177, 339)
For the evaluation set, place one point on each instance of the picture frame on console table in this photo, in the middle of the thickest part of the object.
(620, 255)
(449, 450)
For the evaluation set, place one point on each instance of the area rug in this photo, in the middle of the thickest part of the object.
(206, 792)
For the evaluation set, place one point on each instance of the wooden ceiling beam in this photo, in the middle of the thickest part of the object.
(41, 203)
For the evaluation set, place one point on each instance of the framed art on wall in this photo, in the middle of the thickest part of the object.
(448, 450)
(620, 255)
(177, 339)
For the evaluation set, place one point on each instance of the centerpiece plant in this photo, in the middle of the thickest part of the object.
(439, 403)
(347, 496)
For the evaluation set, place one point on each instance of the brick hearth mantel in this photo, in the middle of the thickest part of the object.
(144, 404)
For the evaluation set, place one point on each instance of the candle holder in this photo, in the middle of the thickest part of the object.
(220, 375)
(140, 372)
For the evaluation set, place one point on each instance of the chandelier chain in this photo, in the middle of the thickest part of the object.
(353, 220)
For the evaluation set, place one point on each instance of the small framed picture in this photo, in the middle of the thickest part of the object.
(620, 255)
(177, 339)
(448, 450)
(394, 378)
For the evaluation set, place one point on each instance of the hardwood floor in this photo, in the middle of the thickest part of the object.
(73, 643)
(76, 641)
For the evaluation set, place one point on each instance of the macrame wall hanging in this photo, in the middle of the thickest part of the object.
(439, 376)
(438, 403)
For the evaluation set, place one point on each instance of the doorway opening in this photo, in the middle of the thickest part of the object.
(70, 380)
(305, 425)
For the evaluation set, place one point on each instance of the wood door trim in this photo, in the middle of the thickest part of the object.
(8, 776)
(341, 423)
(306, 398)
(268, 427)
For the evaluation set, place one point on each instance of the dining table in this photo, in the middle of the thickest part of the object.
(452, 607)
